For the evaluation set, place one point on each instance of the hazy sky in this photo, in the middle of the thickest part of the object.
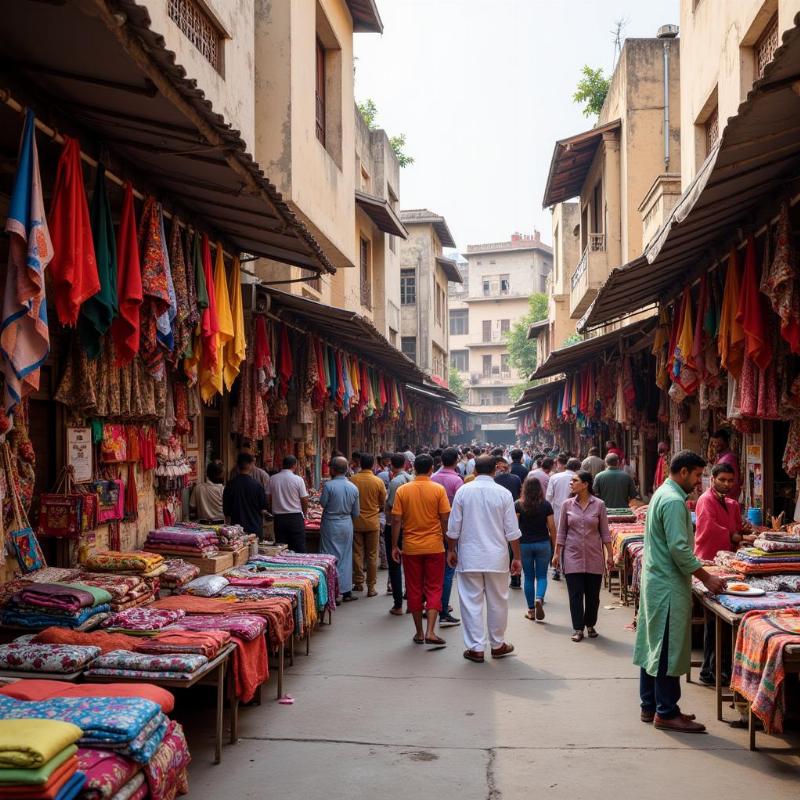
(482, 89)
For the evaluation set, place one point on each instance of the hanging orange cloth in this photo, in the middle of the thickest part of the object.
(209, 322)
(660, 348)
(236, 349)
(751, 313)
(731, 334)
(74, 267)
(211, 378)
(683, 368)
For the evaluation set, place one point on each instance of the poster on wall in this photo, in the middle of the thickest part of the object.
(193, 458)
(754, 454)
(79, 453)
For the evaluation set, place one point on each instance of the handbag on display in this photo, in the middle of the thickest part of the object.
(114, 447)
(61, 511)
(21, 537)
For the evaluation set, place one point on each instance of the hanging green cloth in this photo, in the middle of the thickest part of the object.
(98, 312)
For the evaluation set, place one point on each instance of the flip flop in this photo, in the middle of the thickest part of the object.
(419, 640)
(437, 640)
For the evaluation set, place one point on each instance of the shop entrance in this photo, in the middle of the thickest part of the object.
(780, 488)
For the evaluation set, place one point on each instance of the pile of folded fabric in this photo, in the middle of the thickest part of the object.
(621, 515)
(621, 535)
(178, 574)
(53, 575)
(758, 561)
(127, 591)
(321, 561)
(205, 643)
(145, 666)
(69, 605)
(38, 759)
(142, 621)
(739, 604)
(103, 640)
(175, 540)
(62, 659)
(314, 514)
(134, 562)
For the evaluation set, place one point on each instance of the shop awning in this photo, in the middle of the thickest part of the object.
(756, 160)
(435, 393)
(381, 213)
(530, 396)
(576, 356)
(96, 70)
(535, 327)
(450, 269)
(572, 159)
(366, 18)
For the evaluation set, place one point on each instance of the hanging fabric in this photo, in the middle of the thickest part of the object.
(177, 262)
(209, 321)
(125, 328)
(98, 312)
(684, 375)
(24, 335)
(166, 322)
(211, 374)
(660, 348)
(731, 333)
(751, 314)
(236, 349)
(74, 267)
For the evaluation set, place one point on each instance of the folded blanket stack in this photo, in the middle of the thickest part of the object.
(229, 537)
(62, 659)
(131, 726)
(134, 562)
(765, 602)
(178, 574)
(755, 561)
(69, 605)
(146, 666)
(623, 534)
(101, 639)
(326, 564)
(142, 621)
(777, 543)
(38, 760)
(127, 591)
(178, 541)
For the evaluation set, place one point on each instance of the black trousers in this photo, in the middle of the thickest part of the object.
(584, 598)
(290, 529)
(395, 569)
(708, 670)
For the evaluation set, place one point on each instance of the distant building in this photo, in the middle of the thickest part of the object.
(424, 278)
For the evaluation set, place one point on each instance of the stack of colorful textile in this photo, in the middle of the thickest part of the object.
(127, 591)
(755, 561)
(103, 640)
(131, 726)
(621, 536)
(314, 515)
(758, 672)
(765, 602)
(621, 515)
(134, 562)
(168, 642)
(635, 550)
(178, 574)
(38, 760)
(321, 561)
(145, 666)
(56, 658)
(175, 540)
(142, 621)
(69, 605)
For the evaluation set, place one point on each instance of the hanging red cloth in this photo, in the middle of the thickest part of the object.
(74, 266)
(699, 345)
(383, 395)
(339, 380)
(125, 327)
(286, 362)
(209, 322)
(261, 356)
(751, 313)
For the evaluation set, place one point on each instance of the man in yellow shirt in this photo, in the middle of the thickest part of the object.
(421, 510)
(367, 528)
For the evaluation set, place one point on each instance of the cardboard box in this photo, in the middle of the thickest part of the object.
(240, 556)
(212, 565)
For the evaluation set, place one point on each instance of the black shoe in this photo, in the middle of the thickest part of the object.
(707, 680)
(556, 575)
(448, 621)
(513, 585)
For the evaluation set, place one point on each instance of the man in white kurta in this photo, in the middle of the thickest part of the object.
(482, 525)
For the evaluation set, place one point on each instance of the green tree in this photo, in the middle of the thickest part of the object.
(369, 111)
(572, 339)
(456, 385)
(591, 90)
(521, 350)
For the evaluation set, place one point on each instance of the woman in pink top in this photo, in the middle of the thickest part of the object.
(582, 535)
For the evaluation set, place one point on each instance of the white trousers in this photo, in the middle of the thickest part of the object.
(473, 589)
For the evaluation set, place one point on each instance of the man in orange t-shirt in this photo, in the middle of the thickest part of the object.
(421, 510)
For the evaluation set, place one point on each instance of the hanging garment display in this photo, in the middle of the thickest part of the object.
(780, 281)
(74, 267)
(731, 334)
(24, 335)
(177, 262)
(683, 373)
(236, 348)
(751, 314)
(125, 328)
(212, 376)
(209, 320)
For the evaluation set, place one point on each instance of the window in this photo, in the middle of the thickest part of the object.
(408, 287)
(504, 362)
(543, 283)
(499, 397)
(487, 330)
(408, 344)
(712, 129)
(487, 288)
(486, 399)
(766, 46)
(366, 282)
(459, 321)
(392, 337)
(505, 284)
(320, 92)
(487, 366)
(505, 325)
(198, 27)
(437, 305)
(459, 359)
(315, 283)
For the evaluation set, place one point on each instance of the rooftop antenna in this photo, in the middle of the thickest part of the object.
(619, 38)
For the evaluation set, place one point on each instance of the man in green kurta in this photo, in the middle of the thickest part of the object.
(663, 633)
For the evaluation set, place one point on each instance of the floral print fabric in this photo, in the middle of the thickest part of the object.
(133, 561)
(143, 619)
(57, 658)
(166, 770)
(106, 773)
(146, 662)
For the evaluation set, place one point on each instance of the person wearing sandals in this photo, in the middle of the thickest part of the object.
(583, 534)
(482, 525)
(340, 508)
(537, 523)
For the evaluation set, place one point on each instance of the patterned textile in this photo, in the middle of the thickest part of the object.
(776, 583)
(245, 626)
(59, 658)
(53, 575)
(30, 617)
(204, 643)
(206, 586)
(621, 535)
(100, 639)
(106, 772)
(778, 546)
(178, 573)
(635, 551)
(136, 561)
(143, 619)
(772, 600)
(145, 662)
(134, 789)
(758, 672)
(56, 596)
(30, 744)
(166, 771)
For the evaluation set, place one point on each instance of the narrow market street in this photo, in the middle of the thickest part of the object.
(376, 716)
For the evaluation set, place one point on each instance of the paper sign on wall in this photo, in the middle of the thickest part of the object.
(79, 453)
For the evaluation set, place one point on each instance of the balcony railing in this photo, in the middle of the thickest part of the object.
(580, 269)
(597, 242)
(366, 295)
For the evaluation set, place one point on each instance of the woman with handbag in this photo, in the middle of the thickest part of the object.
(583, 534)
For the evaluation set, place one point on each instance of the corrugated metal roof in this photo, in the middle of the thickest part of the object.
(451, 269)
(381, 213)
(751, 166)
(366, 18)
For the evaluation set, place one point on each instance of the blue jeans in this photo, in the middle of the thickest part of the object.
(446, 588)
(535, 560)
(662, 692)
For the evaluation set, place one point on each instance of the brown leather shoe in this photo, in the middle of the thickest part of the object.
(679, 724)
(396, 612)
(372, 592)
(474, 655)
(647, 716)
(504, 650)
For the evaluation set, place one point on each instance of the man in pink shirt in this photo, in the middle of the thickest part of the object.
(719, 527)
(449, 478)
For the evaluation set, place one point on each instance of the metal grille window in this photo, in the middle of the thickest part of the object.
(198, 27)
(459, 321)
(408, 287)
(459, 359)
(408, 344)
(766, 46)
(712, 130)
(366, 283)
(320, 93)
